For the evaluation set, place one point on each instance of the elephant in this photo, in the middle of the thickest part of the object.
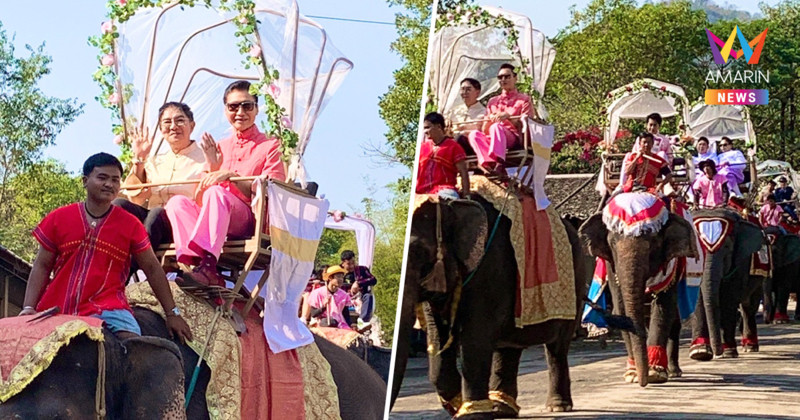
(378, 358)
(785, 278)
(484, 330)
(144, 379)
(158, 369)
(633, 260)
(726, 283)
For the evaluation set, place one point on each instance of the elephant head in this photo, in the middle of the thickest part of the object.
(458, 228)
(153, 380)
(635, 259)
(729, 242)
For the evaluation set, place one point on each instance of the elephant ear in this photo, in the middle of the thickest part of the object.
(154, 379)
(594, 237)
(749, 239)
(679, 239)
(470, 232)
(792, 249)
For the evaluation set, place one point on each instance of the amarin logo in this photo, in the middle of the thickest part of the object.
(721, 56)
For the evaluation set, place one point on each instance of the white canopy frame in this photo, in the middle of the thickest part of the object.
(189, 54)
(643, 101)
(717, 121)
(365, 235)
(463, 51)
(774, 169)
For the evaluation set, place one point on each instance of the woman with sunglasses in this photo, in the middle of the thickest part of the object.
(183, 161)
(502, 132)
(731, 165)
(221, 208)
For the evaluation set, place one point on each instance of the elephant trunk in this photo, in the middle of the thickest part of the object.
(709, 289)
(632, 282)
(407, 316)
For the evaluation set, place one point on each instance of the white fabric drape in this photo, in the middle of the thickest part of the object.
(295, 224)
(365, 236)
(639, 104)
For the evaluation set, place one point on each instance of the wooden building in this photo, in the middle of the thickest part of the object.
(14, 272)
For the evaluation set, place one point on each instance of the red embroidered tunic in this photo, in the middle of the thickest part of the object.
(645, 172)
(437, 166)
(92, 264)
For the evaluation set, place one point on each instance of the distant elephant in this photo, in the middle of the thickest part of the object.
(729, 242)
(484, 331)
(348, 371)
(785, 278)
(633, 261)
(144, 379)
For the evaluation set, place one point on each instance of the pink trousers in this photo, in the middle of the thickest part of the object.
(197, 230)
(492, 148)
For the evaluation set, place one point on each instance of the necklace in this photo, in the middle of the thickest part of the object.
(94, 222)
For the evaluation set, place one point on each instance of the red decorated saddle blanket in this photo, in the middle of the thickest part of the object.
(635, 214)
(28, 349)
(339, 336)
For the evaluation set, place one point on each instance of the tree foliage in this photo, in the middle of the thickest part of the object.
(42, 187)
(29, 122)
(400, 106)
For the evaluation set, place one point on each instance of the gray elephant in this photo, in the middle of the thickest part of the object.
(634, 260)
(785, 279)
(144, 379)
(484, 329)
(729, 243)
(147, 380)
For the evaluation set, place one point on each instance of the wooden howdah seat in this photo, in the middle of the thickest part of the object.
(239, 256)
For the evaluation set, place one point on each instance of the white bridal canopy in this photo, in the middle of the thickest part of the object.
(717, 121)
(364, 231)
(190, 54)
(665, 98)
(478, 51)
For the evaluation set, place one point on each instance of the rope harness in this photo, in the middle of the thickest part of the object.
(436, 280)
(100, 389)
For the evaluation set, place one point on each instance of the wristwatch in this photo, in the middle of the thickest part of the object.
(175, 311)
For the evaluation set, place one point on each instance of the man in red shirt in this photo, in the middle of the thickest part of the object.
(441, 160)
(88, 247)
(642, 168)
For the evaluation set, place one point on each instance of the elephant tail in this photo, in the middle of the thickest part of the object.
(618, 322)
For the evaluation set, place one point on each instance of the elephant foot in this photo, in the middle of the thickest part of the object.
(701, 352)
(750, 348)
(728, 353)
(657, 375)
(476, 410)
(675, 372)
(630, 376)
(452, 405)
(558, 408)
(781, 318)
(505, 406)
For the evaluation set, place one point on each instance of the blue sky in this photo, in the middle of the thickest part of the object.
(335, 157)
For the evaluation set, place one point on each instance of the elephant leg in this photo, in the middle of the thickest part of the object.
(619, 309)
(673, 348)
(701, 344)
(662, 314)
(559, 397)
(749, 307)
(769, 300)
(503, 385)
(477, 335)
(729, 308)
(442, 367)
(781, 304)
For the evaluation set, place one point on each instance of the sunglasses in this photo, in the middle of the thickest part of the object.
(724, 144)
(247, 106)
(504, 76)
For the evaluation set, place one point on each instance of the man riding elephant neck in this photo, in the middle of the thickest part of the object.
(361, 277)
(642, 168)
(441, 161)
(88, 248)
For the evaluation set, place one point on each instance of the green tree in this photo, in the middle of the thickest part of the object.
(29, 122)
(41, 188)
(400, 106)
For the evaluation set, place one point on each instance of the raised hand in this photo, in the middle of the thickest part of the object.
(210, 150)
(141, 143)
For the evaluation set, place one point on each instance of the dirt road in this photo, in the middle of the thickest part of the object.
(764, 385)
